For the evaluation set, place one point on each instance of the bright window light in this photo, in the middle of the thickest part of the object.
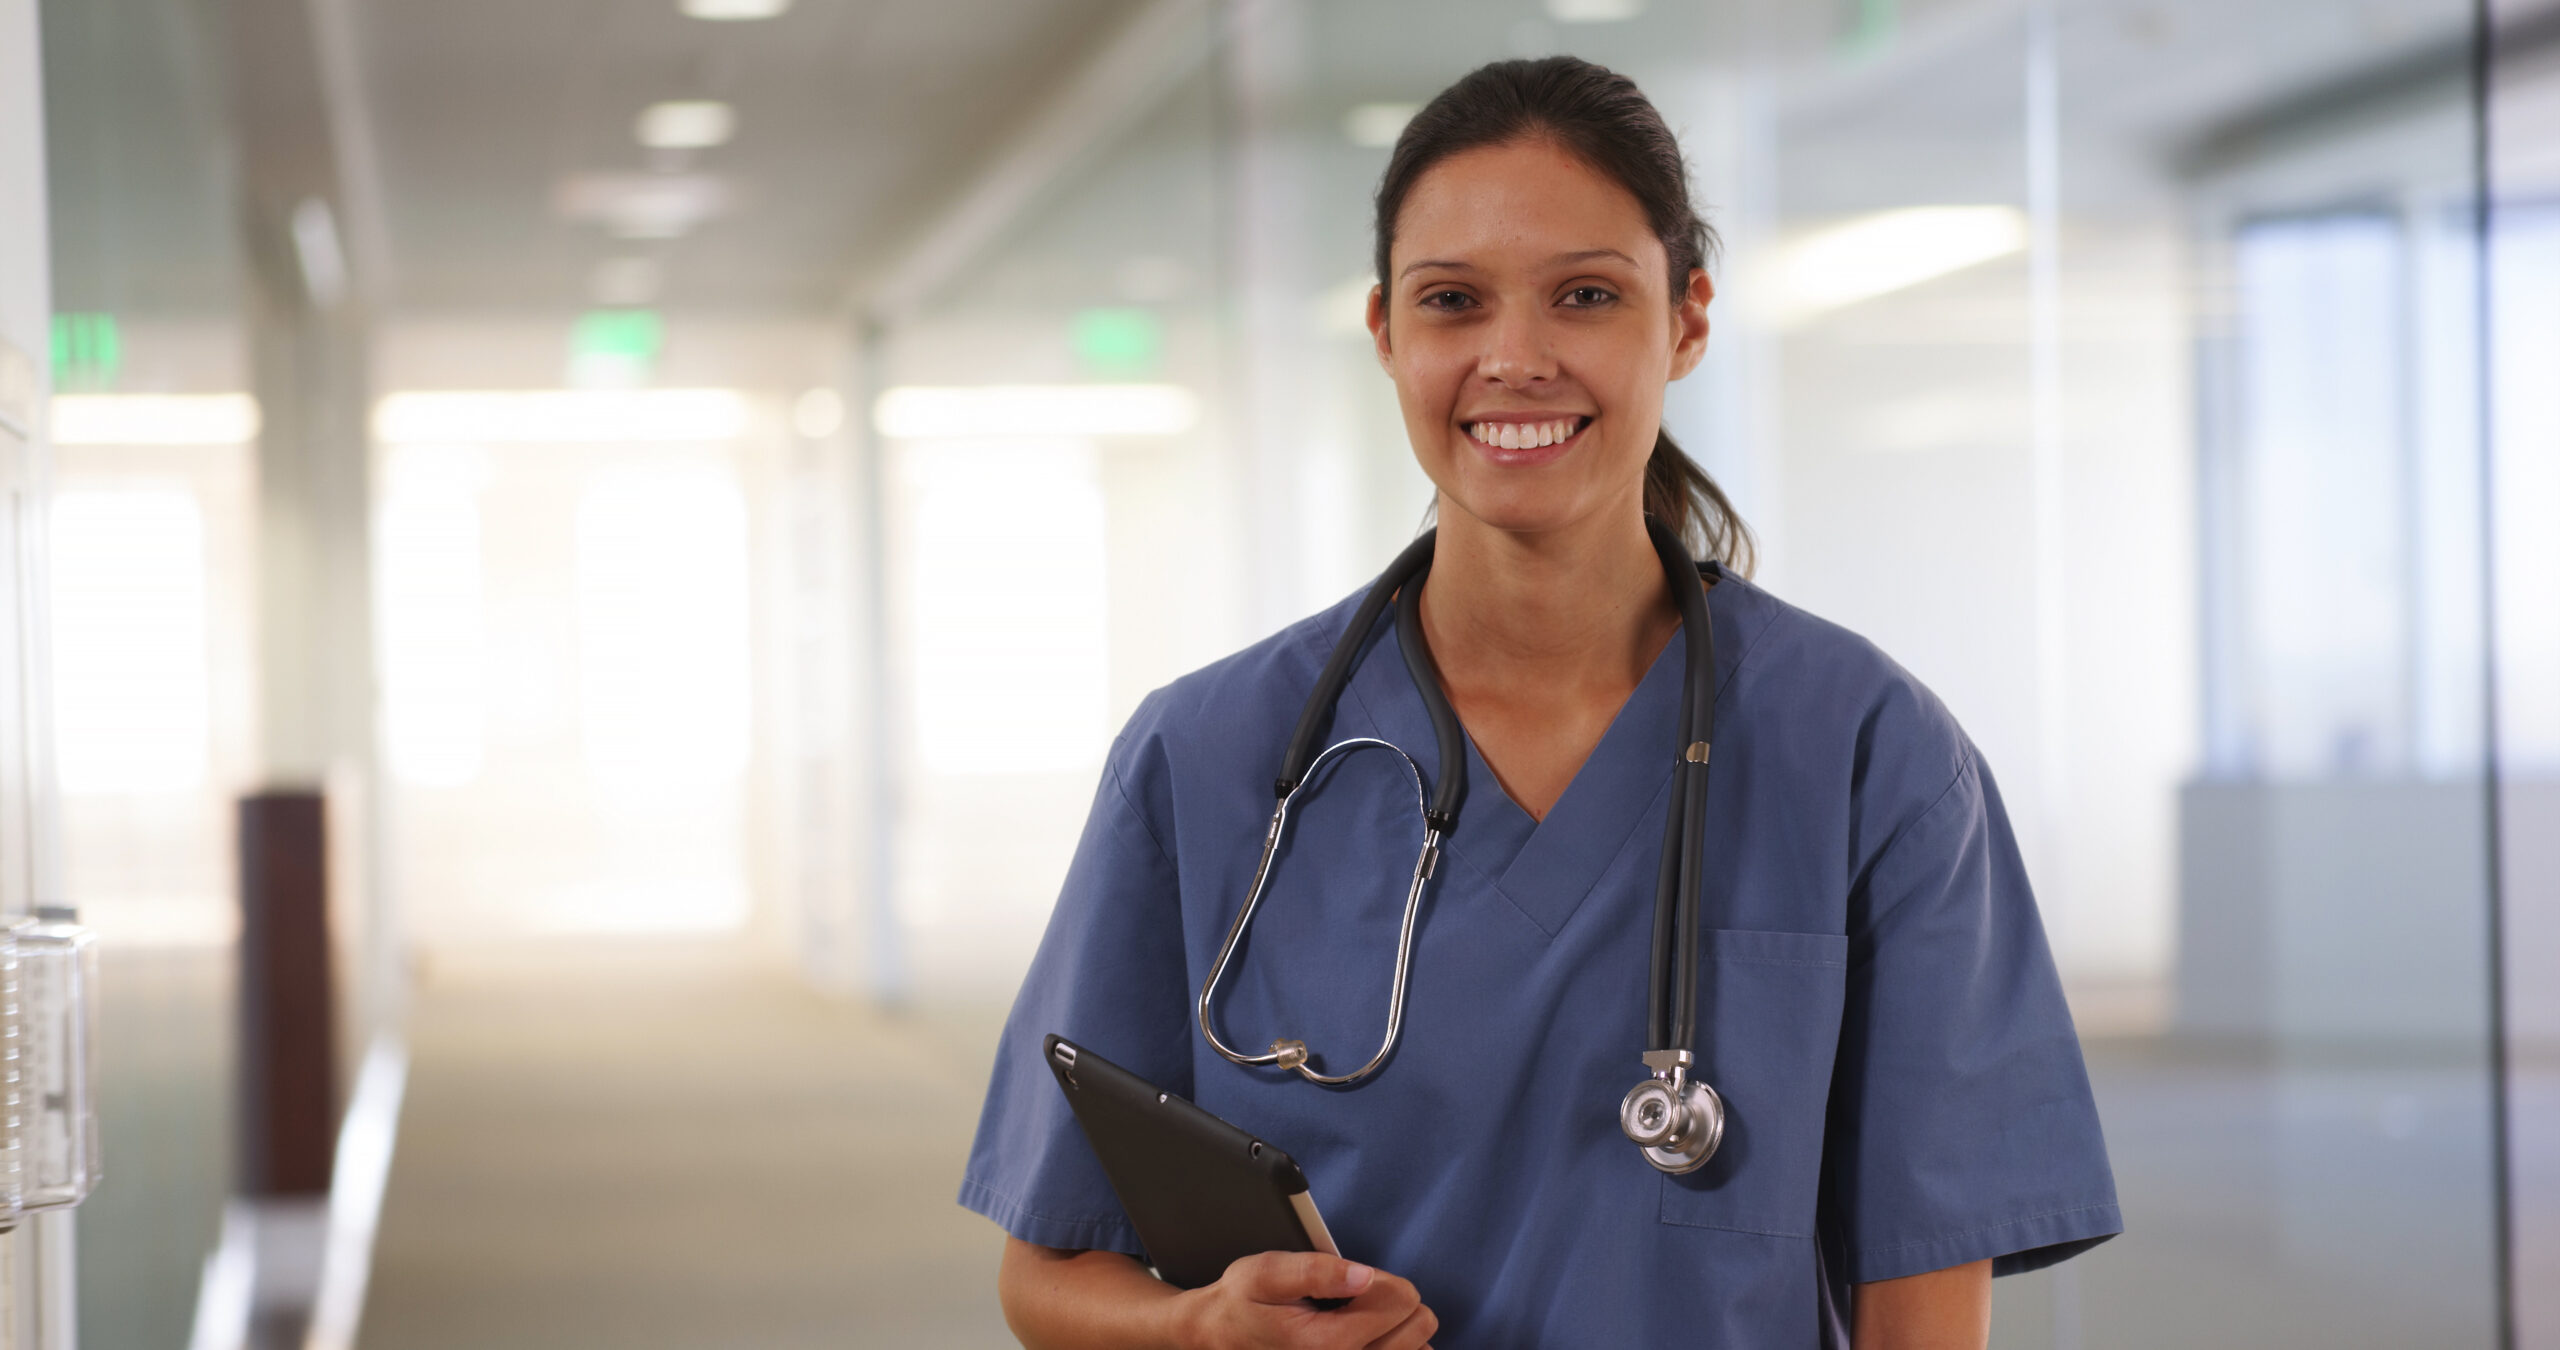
(559, 416)
(662, 629)
(1053, 411)
(433, 614)
(1012, 662)
(133, 683)
(1890, 250)
(154, 419)
(686, 124)
(732, 11)
(818, 413)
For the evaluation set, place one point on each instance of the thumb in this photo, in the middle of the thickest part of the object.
(1286, 1277)
(1342, 1279)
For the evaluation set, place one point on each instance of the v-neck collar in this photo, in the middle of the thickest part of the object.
(1546, 869)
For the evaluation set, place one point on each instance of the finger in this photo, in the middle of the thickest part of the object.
(1390, 1297)
(1413, 1333)
(1286, 1277)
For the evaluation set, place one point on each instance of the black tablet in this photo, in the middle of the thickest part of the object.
(1201, 1192)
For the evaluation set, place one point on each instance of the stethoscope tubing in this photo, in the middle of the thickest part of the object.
(1423, 867)
(1672, 971)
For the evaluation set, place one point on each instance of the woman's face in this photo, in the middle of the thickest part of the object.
(1530, 328)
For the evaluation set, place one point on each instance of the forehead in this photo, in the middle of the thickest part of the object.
(1517, 203)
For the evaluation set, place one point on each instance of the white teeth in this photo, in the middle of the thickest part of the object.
(1524, 435)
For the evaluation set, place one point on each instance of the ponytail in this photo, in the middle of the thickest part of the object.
(1683, 496)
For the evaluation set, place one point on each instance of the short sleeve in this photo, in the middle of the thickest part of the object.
(1109, 974)
(1962, 1126)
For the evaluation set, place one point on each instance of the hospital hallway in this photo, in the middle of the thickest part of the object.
(677, 1146)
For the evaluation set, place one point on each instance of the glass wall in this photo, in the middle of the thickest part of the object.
(2114, 367)
(152, 575)
(2117, 366)
(2522, 324)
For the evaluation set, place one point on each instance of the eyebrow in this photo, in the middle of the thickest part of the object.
(1584, 255)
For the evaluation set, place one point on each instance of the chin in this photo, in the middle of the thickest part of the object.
(1518, 511)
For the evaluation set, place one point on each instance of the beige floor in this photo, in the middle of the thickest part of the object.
(623, 1151)
(631, 1151)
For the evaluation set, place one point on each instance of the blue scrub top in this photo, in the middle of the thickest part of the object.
(1903, 1088)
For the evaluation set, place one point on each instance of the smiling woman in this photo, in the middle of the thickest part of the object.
(1500, 152)
(1862, 1095)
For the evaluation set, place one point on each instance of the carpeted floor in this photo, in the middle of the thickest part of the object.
(625, 1150)
(630, 1150)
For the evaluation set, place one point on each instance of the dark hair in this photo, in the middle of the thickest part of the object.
(1602, 119)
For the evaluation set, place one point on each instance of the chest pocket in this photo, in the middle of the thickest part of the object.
(1769, 1026)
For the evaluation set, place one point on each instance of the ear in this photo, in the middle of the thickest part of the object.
(1689, 323)
(1377, 320)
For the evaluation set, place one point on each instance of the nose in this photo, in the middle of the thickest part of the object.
(1516, 351)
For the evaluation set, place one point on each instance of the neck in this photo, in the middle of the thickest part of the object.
(1582, 607)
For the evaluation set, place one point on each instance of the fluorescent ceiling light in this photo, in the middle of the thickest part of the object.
(686, 124)
(727, 11)
(315, 246)
(1342, 309)
(969, 411)
(1375, 126)
(559, 416)
(1593, 11)
(643, 205)
(1889, 250)
(154, 419)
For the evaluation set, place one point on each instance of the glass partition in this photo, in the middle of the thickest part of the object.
(152, 575)
(2115, 369)
(2522, 324)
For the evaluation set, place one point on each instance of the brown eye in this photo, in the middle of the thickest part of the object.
(1447, 300)
(1587, 297)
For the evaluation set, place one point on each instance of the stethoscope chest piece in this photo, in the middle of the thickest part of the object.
(1676, 1119)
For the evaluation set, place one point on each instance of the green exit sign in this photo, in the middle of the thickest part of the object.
(630, 334)
(1118, 341)
(87, 351)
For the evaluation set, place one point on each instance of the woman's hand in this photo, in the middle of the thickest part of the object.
(1063, 1300)
(1261, 1303)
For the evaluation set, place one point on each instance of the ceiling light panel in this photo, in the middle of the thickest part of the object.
(1375, 126)
(154, 419)
(733, 11)
(1593, 11)
(971, 412)
(642, 205)
(686, 124)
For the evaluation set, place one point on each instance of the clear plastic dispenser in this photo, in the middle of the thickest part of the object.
(48, 1088)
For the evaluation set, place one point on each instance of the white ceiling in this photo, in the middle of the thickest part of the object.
(857, 119)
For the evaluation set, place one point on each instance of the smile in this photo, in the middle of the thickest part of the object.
(1526, 435)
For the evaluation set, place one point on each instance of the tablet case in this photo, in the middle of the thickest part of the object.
(1201, 1192)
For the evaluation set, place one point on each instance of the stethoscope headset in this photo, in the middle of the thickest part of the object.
(1675, 1118)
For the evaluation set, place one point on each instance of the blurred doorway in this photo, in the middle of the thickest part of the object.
(566, 685)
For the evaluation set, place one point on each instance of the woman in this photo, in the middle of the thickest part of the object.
(1907, 1110)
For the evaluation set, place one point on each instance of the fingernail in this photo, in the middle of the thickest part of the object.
(1355, 1277)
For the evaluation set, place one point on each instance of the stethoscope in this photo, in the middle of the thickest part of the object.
(1676, 1119)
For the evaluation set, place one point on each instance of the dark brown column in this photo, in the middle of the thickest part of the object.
(288, 1064)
